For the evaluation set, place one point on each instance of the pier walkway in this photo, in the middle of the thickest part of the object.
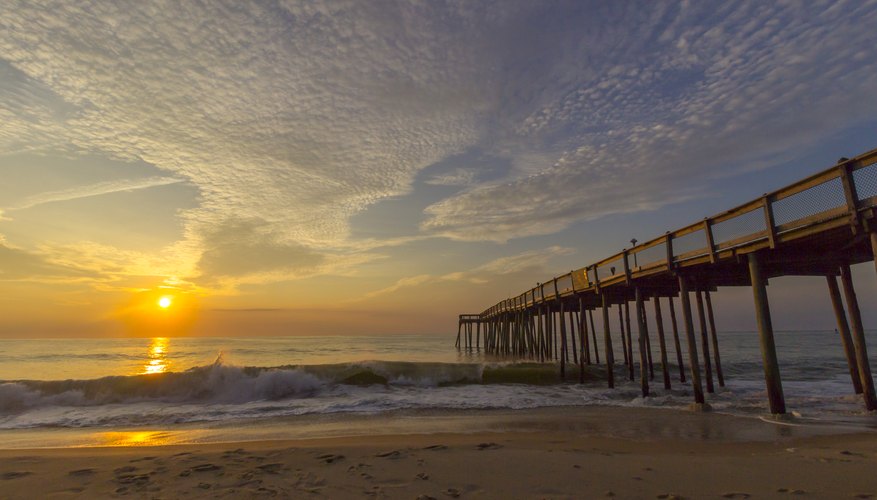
(818, 226)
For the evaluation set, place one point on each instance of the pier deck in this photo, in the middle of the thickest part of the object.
(818, 226)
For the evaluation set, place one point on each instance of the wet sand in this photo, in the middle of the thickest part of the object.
(545, 453)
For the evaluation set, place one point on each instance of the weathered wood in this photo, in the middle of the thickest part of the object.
(676, 341)
(662, 343)
(594, 336)
(572, 336)
(459, 328)
(623, 338)
(648, 342)
(640, 314)
(692, 344)
(629, 347)
(563, 346)
(705, 343)
(858, 334)
(583, 329)
(607, 342)
(715, 338)
(772, 378)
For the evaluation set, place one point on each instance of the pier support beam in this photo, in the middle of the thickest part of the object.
(594, 336)
(858, 333)
(641, 327)
(715, 338)
(627, 360)
(765, 332)
(705, 343)
(607, 341)
(676, 341)
(630, 367)
(563, 344)
(662, 343)
(843, 329)
(692, 343)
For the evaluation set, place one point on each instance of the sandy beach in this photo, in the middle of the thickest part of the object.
(546, 453)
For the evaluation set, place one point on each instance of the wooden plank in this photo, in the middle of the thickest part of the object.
(710, 245)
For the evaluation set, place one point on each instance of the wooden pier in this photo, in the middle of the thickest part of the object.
(818, 226)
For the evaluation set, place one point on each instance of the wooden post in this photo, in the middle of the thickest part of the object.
(594, 336)
(539, 319)
(640, 315)
(715, 338)
(628, 347)
(765, 332)
(676, 341)
(572, 336)
(563, 347)
(858, 334)
(692, 344)
(478, 337)
(459, 331)
(659, 320)
(583, 330)
(843, 329)
(705, 343)
(607, 341)
(648, 342)
(623, 338)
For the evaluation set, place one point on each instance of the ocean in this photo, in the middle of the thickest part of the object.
(168, 383)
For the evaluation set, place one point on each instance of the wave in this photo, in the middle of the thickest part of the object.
(220, 383)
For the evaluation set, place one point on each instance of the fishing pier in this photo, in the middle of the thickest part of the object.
(818, 226)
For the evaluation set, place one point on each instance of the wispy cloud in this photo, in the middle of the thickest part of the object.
(533, 259)
(97, 189)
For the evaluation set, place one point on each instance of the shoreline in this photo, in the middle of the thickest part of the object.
(546, 453)
(622, 422)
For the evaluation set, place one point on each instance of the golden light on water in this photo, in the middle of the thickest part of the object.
(157, 361)
(138, 438)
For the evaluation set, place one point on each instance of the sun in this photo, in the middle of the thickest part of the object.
(165, 302)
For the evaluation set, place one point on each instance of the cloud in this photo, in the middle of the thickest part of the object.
(96, 189)
(299, 116)
(530, 260)
(458, 177)
(20, 265)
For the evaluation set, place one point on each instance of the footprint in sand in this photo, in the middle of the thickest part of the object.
(489, 446)
(82, 472)
(736, 495)
(425, 497)
(330, 458)
(15, 474)
(436, 447)
(452, 492)
(670, 496)
(270, 468)
(122, 470)
(206, 468)
(390, 454)
(423, 475)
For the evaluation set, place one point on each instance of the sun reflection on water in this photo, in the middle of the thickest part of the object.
(157, 361)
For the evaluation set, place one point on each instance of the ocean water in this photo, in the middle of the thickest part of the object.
(167, 382)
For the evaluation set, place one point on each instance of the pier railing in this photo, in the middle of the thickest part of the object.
(822, 201)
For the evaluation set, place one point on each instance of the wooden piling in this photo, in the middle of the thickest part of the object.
(843, 329)
(643, 361)
(459, 330)
(858, 334)
(583, 329)
(572, 336)
(563, 347)
(594, 336)
(705, 343)
(647, 342)
(715, 338)
(623, 339)
(678, 347)
(692, 344)
(765, 332)
(662, 344)
(607, 342)
(630, 366)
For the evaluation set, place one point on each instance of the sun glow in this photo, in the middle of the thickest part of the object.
(157, 357)
(165, 302)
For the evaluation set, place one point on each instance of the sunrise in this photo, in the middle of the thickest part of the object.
(404, 249)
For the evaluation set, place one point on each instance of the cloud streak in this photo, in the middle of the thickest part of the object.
(97, 189)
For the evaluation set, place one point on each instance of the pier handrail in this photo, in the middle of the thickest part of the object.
(837, 193)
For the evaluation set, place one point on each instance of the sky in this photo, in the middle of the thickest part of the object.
(348, 167)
